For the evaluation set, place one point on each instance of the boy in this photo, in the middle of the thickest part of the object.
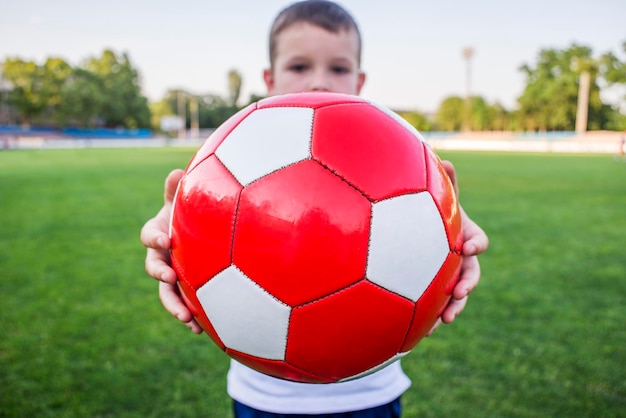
(315, 45)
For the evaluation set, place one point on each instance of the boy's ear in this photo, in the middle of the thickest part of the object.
(268, 78)
(360, 82)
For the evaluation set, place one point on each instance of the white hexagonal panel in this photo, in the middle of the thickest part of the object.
(408, 244)
(246, 317)
(268, 139)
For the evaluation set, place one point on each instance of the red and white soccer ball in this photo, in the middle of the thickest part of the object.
(316, 237)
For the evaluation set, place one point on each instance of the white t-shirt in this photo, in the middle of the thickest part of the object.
(279, 396)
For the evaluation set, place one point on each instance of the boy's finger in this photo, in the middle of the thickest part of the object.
(153, 236)
(453, 310)
(171, 183)
(173, 303)
(470, 275)
(194, 327)
(476, 241)
(157, 266)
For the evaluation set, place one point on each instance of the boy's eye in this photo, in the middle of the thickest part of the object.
(298, 68)
(340, 70)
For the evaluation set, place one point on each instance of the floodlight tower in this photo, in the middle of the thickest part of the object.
(468, 53)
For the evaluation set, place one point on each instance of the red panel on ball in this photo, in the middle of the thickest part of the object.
(276, 368)
(350, 332)
(302, 233)
(441, 189)
(370, 149)
(204, 220)
(313, 100)
(432, 302)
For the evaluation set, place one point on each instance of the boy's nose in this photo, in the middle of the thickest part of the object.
(319, 82)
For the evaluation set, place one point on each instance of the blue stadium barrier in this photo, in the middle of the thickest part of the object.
(107, 133)
(84, 133)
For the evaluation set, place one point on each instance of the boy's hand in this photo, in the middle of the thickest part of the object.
(475, 243)
(155, 237)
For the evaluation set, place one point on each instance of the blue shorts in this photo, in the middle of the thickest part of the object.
(390, 410)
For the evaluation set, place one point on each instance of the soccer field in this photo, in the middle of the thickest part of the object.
(83, 334)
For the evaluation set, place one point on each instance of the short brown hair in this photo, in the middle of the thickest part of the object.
(322, 13)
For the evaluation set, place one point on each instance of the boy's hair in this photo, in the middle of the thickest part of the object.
(322, 13)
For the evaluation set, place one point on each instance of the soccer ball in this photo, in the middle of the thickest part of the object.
(316, 237)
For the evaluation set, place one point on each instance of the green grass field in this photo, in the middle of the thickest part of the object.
(83, 334)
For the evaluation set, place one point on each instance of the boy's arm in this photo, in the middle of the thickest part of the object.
(154, 236)
(475, 243)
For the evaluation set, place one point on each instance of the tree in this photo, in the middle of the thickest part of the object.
(82, 99)
(125, 105)
(549, 100)
(612, 68)
(450, 114)
(36, 89)
(104, 91)
(614, 73)
(418, 120)
(479, 114)
(26, 80)
(500, 118)
(54, 74)
(213, 110)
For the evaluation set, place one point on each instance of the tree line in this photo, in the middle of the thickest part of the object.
(550, 100)
(102, 92)
(105, 91)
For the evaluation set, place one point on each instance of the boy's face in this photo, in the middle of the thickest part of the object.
(310, 58)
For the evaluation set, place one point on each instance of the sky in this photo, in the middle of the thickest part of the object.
(412, 49)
